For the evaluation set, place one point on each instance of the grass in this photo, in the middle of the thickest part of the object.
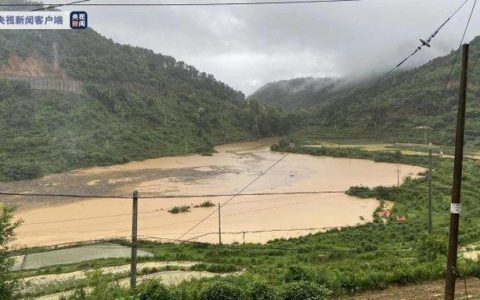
(57, 287)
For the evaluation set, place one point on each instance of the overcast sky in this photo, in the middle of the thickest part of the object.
(247, 47)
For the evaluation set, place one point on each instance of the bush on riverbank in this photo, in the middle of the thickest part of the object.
(179, 209)
(377, 156)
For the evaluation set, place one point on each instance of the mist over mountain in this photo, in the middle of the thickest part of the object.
(392, 107)
(298, 92)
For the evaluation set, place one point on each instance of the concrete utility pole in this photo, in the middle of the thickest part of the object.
(457, 182)
(133, 261)
(430, 175)
(219, 224)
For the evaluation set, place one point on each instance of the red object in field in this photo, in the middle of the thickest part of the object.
(401, 219)
(385, 213)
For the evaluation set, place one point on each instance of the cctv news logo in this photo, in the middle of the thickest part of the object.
(43, 20)
(78, 20)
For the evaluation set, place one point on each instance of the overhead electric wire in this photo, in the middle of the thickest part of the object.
(233, 197)
(52, 6)
(432, 36)
(190, 221)
(232, 214)
(175, 223)
(442, 96)
(385, 75)
(170, 4)
(262, 231)
(54, 195)
(87, 218)
(195, 220)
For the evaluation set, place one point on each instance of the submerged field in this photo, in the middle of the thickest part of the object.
(248, 219)
(346, 261)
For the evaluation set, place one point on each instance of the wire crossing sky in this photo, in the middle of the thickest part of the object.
(247, 46)
(234, 3)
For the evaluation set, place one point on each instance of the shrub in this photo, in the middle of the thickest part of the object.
(206, 204)
(301, 290)
(261, 291)
(22, 171)
(297, 273)
(100, 287)
(219, 290)
(431, 246)
(154, 290)
(179, 209)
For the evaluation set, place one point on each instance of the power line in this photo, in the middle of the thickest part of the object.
(171, 4)
(52, 6)
(53, 195)
(86, 218)
(233, 197)
(156, 211)
(430, 38)
(456, 55)
(424, 43)
(232, 214)
(191, 221)
(261, 231)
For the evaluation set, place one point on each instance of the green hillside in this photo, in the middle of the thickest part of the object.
(396, 108)
(135, 104)
(298, 92)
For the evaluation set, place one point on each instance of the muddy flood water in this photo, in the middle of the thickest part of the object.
(48, 221)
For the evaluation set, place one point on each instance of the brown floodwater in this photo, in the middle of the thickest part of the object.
(234, 166)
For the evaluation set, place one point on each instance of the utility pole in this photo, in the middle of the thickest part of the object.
(219, 224)
(457, 182)
(133, 261)
(430, 175)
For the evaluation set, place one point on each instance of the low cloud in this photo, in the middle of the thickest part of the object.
(247, 47)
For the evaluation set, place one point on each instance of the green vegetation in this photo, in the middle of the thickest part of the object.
(398, 108)
(136, 105)
(378, 156)
(7, 234)
(348, 260)
(366, 257)
(179, 209)
(205, 204)
(298, 92)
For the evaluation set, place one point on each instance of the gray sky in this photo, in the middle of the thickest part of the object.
(247, 47)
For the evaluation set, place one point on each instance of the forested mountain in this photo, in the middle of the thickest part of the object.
(395, 108)
(298, 92)
(135, 104)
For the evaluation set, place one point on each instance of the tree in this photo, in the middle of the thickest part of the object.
(7, 234)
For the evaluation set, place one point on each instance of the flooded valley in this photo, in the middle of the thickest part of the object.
(254, 218)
